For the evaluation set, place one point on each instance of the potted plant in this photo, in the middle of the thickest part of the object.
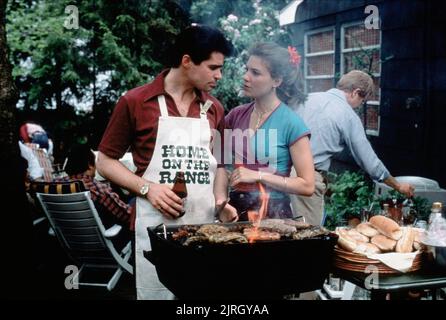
(351, 193)
(348, 195)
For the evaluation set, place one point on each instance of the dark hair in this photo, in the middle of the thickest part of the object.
(41, 138)
(277, 60)
(199, 42)
(80, 157)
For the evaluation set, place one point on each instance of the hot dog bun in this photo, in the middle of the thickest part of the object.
(345, 241)
(405, 243)
(386, 226)
(357, 235)
(384, 243)
(366, 248)
(367, 229)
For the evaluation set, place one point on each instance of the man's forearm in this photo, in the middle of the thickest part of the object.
(221, 185)
(114, 171)
(391, 182)
(404, 188)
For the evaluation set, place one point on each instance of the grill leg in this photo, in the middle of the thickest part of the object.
(378, 295)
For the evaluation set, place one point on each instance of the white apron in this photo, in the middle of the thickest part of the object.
(181, 144)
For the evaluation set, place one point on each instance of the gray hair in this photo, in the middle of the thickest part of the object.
(356, 79)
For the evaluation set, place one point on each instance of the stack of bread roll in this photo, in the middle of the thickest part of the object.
(379, 235)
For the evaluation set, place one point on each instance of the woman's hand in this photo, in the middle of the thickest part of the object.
(243, 175)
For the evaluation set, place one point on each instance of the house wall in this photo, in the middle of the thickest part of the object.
(435, 52)
(403, 108)
(413, 77)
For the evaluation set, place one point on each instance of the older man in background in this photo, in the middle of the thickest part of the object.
(334, 127)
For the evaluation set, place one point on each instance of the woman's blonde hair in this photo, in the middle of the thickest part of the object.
(356, 79)
(277, 60)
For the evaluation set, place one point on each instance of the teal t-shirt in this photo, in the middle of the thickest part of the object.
(269, 147)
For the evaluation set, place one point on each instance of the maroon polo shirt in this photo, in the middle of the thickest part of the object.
(133, 125)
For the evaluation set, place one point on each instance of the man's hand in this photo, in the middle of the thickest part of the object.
(228, 213)
(406, 189)
(165, 200)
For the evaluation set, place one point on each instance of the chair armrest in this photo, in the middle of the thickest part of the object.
(112, 231)
(38, 220)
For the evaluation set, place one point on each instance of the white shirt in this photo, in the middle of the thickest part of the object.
(34, 169)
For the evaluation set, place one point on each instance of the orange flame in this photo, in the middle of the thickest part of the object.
(255, 217)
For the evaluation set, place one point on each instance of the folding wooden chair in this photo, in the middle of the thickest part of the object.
(81, 233)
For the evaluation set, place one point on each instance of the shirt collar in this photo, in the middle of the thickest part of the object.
(156, 88)
(338, 93)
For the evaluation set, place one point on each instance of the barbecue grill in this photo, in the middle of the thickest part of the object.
(259, 270)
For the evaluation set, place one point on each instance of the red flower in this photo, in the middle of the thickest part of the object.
(294, 56)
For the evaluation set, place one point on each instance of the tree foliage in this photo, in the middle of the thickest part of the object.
(125, 42)
(244, 23)
(70, 79)
(117, 46)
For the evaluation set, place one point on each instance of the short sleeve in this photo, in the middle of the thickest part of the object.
(118, 134)
(218, 147)
(296, 129)
(229, 120)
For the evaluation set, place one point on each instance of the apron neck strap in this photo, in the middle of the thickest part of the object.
(163, 106)
(204, 108)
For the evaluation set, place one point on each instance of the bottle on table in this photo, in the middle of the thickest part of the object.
(396, 212)
(435, 211)
(180, 189)
(409, 212)
(385, 212)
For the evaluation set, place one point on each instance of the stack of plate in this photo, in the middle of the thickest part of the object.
(357, 262)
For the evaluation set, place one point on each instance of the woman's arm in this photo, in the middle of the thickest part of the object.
(303, 163)
(302, 160)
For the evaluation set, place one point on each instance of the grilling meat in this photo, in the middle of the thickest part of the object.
(267, 230)
(209, 229)
(228, 237)
(261, 235)
(180, 234)
(310, 233)
(195, 240)
(299, 225)
(277, 225)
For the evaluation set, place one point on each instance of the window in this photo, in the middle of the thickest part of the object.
(319, 60)
(360, 49)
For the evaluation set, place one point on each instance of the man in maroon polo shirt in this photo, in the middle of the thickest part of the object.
(167, 125)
